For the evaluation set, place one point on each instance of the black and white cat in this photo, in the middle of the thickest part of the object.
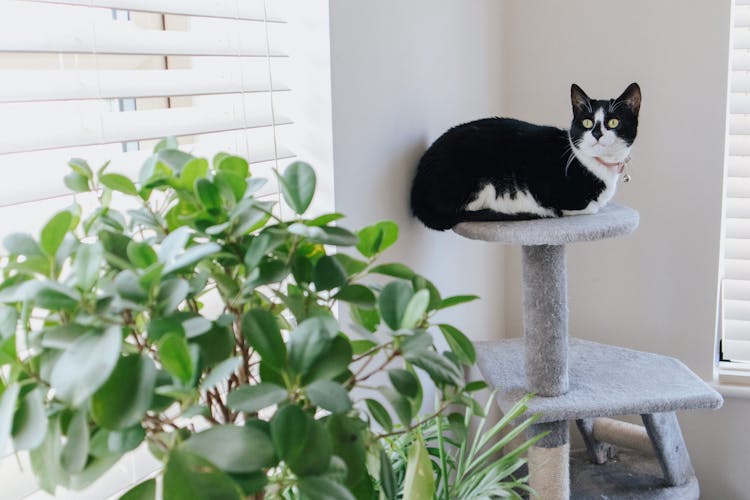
(506, 169)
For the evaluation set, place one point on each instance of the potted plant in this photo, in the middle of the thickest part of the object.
(201, 323)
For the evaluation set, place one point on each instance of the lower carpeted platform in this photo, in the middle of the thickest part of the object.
(604, 381)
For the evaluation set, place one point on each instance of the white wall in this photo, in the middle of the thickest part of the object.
(402, 73)
(654, 290)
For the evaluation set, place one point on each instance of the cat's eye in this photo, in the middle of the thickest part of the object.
(613, 122)
(587, 123)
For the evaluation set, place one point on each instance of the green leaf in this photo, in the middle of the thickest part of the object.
(476, 385)
(165, 144)
(86, 365)
(191, 256)
(22, 244)
(380, 414)
(175, 356)
(359, 295)
(388, 486)
(76, 449)
(143, 491)
(173, 244)
(310, 340)
(328, 274)
(232, 187)
(325, 219)
(329, 395)
(54, 232)
(126, 395)
(350, 264)
(233, 448)
(401, 405)
(82, 167)
(376, 238)
(55, 296)
(460, 345)
(250, 483)
(261, 330)
(298, 186)
(88, 262)
(325, 235)
(289, 431)
(220, 372)
(208, 194)
(233, 164)
(76, 182)
(253, 398)
(415, 309)
(117, 182)
(369, 319)
(195, 169)
(395, 270)
(438, 367)
(8, 321)
(421, 283)
(141, 254)
(404, 382)
(456, 299)
(393, 301)
(188, 475)
(171, 294)
(333, 363)
(262, 245)
(216, 345)
(315, 454)
(322, 488)
(7, 408)
(30, 421)
(419, 480)
(128, 286)
(45, 459)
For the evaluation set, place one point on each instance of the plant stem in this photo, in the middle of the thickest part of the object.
(414, 426)
(441, 451)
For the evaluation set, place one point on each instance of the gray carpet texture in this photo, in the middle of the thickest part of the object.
(612, 220)
(605, 381)
(545, 319)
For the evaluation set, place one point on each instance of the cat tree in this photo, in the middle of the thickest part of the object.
(587, 381)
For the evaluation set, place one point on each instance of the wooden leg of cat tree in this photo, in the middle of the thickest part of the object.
(549, 473)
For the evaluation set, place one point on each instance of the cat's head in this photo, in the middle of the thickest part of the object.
(605, 129)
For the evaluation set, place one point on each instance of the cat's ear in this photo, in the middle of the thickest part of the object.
(579, 99)
(631, 97)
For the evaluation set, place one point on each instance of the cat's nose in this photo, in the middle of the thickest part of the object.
(597, 133)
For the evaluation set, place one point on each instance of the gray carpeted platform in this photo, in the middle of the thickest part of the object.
(612, 220)
(630, 476)
(604, 381)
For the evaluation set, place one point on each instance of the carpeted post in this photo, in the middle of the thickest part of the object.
(545, 320)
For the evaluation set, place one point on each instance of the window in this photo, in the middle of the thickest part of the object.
(735, 282)
(104, 80)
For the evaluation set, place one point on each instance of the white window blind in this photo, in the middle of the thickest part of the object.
(105, 80)
(735, 289)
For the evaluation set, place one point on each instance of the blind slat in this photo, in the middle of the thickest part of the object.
(736, 350)
(47, 85)
(104, 128)
(24, 35)
(248, 10)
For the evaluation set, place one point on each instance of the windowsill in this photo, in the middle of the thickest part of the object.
(733, 382)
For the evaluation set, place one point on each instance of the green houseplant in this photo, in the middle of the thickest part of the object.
(202, 323)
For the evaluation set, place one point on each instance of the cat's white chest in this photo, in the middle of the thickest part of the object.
(609, 178)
